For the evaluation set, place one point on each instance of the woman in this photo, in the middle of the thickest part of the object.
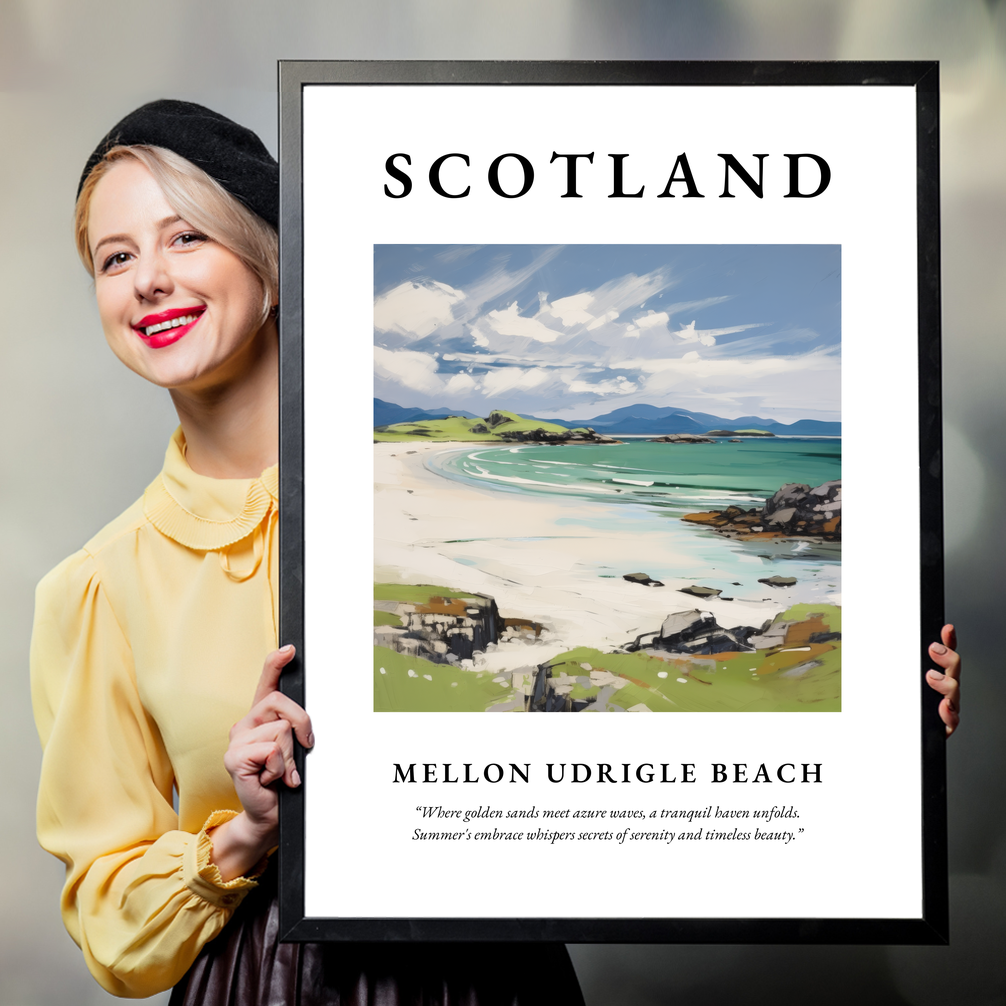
(148, 643)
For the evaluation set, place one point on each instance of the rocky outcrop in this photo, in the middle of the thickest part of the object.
(446, 630)
(491, 422)
(795, 511)
(681, 438)
(695, 631)
(739, 433)
(698, 632)
(552, 689)
(543, 436)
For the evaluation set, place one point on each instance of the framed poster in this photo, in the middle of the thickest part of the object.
(581, 363)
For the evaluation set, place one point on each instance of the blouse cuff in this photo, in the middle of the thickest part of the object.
(202, 876)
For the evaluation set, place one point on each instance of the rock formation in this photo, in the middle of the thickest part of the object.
(643, 579)
(543, 436)
(698, 632)
(739, 433)
(445, 630)
(795, 511)
(681, 438)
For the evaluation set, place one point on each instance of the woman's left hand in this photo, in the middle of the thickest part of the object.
(948, 681)
(260, 754)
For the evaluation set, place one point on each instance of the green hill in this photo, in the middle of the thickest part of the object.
(498, 426)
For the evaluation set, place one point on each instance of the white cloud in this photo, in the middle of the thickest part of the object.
(547, 353)
(506, 379)
(802, 382)
(653, 318)
(573, 310)
(511, 322)
(416, 309)
(737, 369)
(461, 384)
(617, 386)
(605, 319)
(416, 371)
(707, 336)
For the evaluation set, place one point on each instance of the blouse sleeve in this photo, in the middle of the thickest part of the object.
(141, 898)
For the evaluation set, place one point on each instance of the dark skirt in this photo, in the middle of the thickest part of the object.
(246, 965)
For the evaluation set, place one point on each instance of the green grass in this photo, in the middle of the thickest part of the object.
(448, 689)
(414, 593)
(459, 429)
(731, 687)
(832, 614)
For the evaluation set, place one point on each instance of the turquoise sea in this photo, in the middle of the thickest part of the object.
(645, 487)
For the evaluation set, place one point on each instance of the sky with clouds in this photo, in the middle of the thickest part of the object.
(575, 331)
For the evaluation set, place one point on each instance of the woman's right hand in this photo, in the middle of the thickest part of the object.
(259, 754)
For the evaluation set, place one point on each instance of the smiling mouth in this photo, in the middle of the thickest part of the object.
(176, 321)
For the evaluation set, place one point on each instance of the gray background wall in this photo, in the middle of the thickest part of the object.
(81, 436)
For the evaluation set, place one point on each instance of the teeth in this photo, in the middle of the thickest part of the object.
(173, 323)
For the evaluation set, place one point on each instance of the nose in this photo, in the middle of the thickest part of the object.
(152, 277)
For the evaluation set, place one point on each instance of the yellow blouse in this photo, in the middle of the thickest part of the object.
(147, 647)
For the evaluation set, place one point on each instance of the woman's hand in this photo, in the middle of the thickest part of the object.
(260, 753)
(947, 682)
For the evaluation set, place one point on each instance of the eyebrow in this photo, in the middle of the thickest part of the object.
(111, 238)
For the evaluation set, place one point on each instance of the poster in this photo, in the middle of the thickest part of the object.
(609, 378)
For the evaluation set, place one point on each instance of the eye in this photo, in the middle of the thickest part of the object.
(189, 239)
(115, 261)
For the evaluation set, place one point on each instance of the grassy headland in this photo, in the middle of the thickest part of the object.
(501, 426)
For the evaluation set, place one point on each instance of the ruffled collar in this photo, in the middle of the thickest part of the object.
(203, 513)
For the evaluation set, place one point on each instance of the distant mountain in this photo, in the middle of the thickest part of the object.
(649, 420)
(386, 413)
(656, 421)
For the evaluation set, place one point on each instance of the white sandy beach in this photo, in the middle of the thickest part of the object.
(536, 555)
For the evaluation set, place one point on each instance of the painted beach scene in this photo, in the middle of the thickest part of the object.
(607, 478)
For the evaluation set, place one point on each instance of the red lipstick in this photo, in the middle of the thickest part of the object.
(166, 327)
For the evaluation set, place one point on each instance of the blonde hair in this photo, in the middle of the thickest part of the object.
(199, 200)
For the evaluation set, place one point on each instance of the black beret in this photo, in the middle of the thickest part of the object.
(230, 154)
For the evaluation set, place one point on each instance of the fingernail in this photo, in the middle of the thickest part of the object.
(310, 740)
(938, 648)
(936, 675)
(287, 649)
(295, 777)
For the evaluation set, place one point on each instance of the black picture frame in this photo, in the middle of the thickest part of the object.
(932, 925)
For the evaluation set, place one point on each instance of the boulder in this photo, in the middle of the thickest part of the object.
(779, 581)
(644, 579)
(696, 591)
(695, 631)
(783, 516)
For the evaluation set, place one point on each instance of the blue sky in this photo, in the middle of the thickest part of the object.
(578, 330)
